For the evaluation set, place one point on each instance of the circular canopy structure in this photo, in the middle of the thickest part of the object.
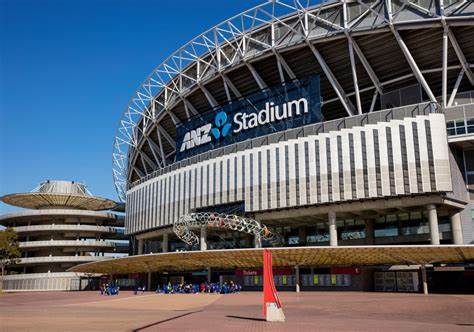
(283, 257)
(182, 227)
(59, 195)
(345, 42)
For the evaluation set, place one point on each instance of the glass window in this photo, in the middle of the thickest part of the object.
(451, 129)
(293, 240)
(460, 127)
(470, 125)
(392, 231)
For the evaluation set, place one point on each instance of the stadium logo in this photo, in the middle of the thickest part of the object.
(200, 136)
(222, 128)
(243, 121)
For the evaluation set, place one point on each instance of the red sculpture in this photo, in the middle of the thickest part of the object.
(272, 309)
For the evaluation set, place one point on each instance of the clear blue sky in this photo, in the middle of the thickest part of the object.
(67, 71)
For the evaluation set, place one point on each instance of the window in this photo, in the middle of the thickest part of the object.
(460, 127)
(470, 125)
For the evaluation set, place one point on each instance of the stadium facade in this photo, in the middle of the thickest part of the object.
(341, 123)
(64, 225)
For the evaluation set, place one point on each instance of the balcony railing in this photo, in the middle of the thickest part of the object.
(70, 243)
(60, 259)
(60, 227)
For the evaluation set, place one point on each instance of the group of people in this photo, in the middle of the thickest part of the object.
(109, 289)
(205, 287)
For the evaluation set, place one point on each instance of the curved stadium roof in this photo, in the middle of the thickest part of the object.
(361, 49)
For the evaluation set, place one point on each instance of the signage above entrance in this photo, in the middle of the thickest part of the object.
(275, 109)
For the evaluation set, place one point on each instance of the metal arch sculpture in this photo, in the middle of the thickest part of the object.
(182, 227)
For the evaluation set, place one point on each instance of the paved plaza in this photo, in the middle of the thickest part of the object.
(310, 311)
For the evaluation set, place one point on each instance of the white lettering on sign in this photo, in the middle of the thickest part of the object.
(196, 137)
(245, 121)
(269, 114)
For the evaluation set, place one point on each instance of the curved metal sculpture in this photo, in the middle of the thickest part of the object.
(182, 227)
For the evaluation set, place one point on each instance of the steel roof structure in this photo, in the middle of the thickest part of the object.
(361, 49)
(282, 257)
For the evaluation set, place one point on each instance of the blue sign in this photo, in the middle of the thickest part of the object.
(275, 109)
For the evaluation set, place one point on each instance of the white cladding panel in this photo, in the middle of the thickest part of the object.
(377, 160)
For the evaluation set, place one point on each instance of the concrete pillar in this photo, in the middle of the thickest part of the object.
(332, 229)
(140, 246)
(433, 220)
(424, 280)
(164, 243)
(369, 231)
(148, 284)
(209, 274)
(302, 236)
(297, 278)
(456, 228)
(203, 238)
(257, 241)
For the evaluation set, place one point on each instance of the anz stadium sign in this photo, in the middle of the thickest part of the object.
(275, 109)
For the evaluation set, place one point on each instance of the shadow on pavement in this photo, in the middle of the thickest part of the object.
(248, 318)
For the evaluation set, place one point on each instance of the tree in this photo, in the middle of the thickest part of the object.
(9, 248)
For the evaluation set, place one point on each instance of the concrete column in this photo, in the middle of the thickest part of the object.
(203, 238)
(433, 220)
(148, 285)
(257, 241)
(332, 229)
(140, 246)
(369, 231)
(456, 228)
(164, 243)
(209, 274)
(302, 236)
(297, 278)
(424, 280)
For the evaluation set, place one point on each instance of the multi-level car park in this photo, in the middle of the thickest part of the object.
(63, 226)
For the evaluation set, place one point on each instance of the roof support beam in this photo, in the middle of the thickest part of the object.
(160, 144)
(261, 84)
(231, 85)
(374, 99)
(352, 59)
(460, 55)
(145, 167)
(332, 79)
(455, 89)
(173, 117)
(282, 62)
(190, 107)
(150, 162)
(227, 92)
(166, 135)
(366, 64)
(210, 98)
(413, 65)
(140, 173)
(444, 79)
(280, 70)
(354, 78)
(154, 150)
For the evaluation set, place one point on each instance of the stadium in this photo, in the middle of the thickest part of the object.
(338, 133)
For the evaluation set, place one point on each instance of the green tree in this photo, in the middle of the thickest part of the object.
(9, 248)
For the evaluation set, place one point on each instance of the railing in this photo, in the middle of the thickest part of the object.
(68, 243)
(53, 227)
(60, 259)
